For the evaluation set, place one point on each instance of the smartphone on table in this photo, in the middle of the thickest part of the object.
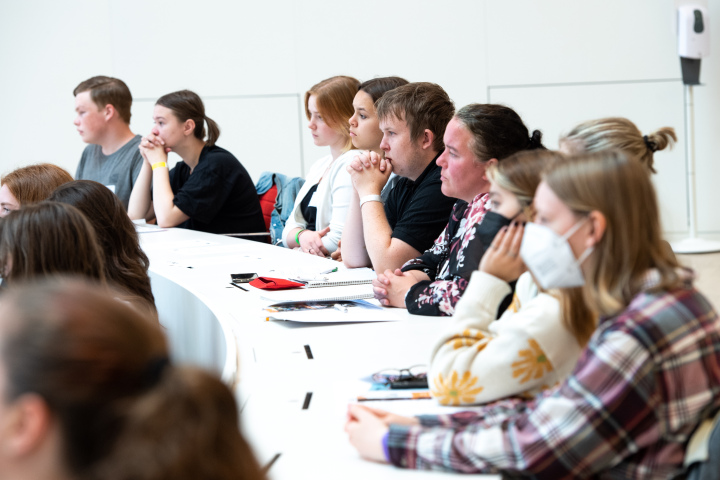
(242, 277)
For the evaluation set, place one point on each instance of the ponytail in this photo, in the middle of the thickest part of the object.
(660, 139)
(184, 427)
(213, 131)
(535, 141)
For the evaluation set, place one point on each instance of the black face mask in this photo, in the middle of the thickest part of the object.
(489, 227)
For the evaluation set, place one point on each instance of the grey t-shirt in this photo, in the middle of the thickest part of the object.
(117, 171)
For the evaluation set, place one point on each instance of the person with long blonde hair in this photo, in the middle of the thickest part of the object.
(647, 378)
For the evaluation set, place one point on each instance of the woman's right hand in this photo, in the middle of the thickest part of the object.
(311, 242)
(502, 259)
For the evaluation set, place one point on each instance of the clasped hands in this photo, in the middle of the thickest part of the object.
(148, 149)
(369, 173)
(391, 287)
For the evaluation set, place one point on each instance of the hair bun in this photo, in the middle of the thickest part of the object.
(535, 140)
(652, 146)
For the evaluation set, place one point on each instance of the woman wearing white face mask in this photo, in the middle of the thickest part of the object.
(478, 359)
(648, 376)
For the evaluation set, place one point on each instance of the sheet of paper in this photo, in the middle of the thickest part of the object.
(148, 228)
(350, 292)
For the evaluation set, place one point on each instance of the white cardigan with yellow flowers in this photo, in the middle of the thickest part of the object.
(480, 359)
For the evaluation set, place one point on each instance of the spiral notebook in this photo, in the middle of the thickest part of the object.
(356, 276)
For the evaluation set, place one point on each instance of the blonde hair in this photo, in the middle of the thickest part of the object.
(334, 97)
(520, 174)
(621, 190)
(620, 134)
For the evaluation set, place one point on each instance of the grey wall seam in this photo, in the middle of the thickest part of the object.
(582, 84)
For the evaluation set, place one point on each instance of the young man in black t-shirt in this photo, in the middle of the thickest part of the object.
(412, 118)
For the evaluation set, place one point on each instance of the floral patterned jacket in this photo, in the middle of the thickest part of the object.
(479, 359)
(451, 260)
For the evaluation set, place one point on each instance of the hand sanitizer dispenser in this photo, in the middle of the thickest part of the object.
(693, 40)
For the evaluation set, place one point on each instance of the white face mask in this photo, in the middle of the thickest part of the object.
(550, 258)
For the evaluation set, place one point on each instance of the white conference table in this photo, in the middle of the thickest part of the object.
(291, 404)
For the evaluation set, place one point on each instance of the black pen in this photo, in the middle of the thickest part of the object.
(270, 463)
(238, 286)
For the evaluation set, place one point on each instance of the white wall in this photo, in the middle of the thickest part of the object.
(557, 62)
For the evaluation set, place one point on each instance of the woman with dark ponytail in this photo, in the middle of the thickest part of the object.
(209, 190)
(87, 392)
(478, 136)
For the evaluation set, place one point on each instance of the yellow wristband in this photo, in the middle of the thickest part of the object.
(159, 165)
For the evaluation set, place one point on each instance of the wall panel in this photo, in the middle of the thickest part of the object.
(420, 40)
(559, 41)
(215, 47)
(46, 49)
(555, 110)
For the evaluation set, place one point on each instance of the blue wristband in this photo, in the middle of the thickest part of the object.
(386, 449)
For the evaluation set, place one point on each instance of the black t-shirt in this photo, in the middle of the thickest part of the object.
(219, 196)
(309, 213)
(418, 211)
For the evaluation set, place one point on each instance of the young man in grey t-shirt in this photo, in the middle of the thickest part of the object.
(103, 120)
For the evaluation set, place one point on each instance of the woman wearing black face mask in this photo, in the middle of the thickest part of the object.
(478, 359)
(476, 138)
